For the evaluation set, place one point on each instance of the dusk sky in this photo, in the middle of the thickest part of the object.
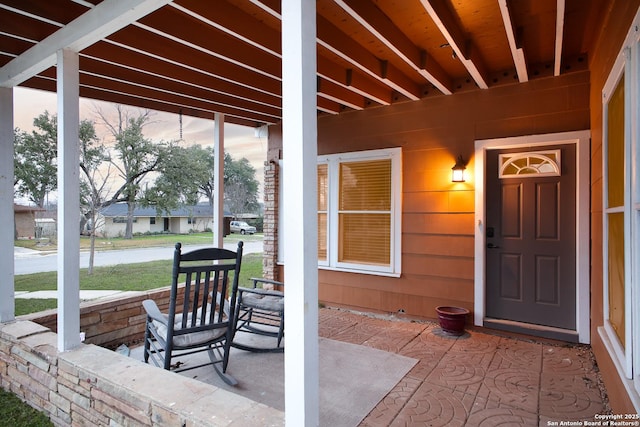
(240, 141)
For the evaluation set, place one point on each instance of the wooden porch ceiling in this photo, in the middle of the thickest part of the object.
(200, 57)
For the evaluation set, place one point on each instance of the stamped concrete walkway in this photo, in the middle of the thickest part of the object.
(478, 379)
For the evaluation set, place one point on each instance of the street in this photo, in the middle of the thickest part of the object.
(28, 261)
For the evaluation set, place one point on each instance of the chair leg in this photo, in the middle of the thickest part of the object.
(147, 344)
(281, 330)
(167, 356)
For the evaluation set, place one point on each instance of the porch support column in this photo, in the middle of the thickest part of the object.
(68, 200)
(218, 180)
(299, 148)
(7, 288)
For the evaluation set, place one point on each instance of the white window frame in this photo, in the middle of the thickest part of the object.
(326, 263)
(635, 202)
(333, 161)
(627, 358)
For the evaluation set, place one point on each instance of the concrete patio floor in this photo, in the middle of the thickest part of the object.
(483, 378)
(478, 379)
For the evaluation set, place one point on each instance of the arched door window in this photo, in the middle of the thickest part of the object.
(536, 163)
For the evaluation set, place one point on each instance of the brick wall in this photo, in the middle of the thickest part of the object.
(270, 242)
(25, 224)
(90, 385)
(111, 322)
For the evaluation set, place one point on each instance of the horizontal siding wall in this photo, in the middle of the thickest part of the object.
(438, 215)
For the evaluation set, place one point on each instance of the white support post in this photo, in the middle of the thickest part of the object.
(218, 180)
(300, 211)
(68, 200)
(7, 289)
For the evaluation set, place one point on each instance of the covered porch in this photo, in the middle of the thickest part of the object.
(409, 85)
(479, 378)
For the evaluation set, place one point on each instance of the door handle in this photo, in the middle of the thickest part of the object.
(492, 246)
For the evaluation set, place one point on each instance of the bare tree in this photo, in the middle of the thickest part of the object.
(94, 181)
(136, 155)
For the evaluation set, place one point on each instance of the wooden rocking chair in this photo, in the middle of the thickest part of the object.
(200, 318)
(261, 311)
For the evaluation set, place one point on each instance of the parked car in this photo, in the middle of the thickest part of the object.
(242, 227)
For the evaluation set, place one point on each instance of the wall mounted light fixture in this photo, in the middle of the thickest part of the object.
(458, 170)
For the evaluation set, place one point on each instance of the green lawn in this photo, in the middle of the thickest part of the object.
(125, 277)
(15, 413)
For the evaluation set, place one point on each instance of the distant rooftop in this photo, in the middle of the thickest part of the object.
(199, 210)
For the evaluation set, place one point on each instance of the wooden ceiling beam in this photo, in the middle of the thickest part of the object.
(111, 71)
(444, 19)
(175, 25)
(380, 26)
(334, 92)
(138, 61)
(46, 12)
(560, 5)
(354, 80)
(516, 52)
(328, 106)
(333, 39)
(151, 93)
(49, 84)
(24, 27)
(152, 44)
(90, 27)
(235, 22)
(108, 84)
(272, 7)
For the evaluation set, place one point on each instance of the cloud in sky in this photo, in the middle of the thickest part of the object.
(239, 141)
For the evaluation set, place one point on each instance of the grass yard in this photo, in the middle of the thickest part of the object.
(124, 277)
(15, 413)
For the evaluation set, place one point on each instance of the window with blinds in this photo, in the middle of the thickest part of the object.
(359, 211)
(323, 195)
(364, 214)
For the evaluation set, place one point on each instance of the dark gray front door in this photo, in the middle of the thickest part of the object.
(531, 241)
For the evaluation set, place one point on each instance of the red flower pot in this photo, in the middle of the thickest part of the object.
(452, 319)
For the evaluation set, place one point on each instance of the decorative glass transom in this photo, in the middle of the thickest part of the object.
(536, 163)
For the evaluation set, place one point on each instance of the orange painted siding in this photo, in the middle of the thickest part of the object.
(438, 215)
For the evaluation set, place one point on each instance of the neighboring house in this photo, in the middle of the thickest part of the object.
(25, 221)
(112, 220)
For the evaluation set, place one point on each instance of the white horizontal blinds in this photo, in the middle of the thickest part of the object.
(364, 212)
(323, 206)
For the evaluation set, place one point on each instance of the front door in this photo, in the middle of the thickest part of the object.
(531, 235)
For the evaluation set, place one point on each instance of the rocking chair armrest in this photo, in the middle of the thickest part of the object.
(154, 312)
(257, 280)
(260, 291)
